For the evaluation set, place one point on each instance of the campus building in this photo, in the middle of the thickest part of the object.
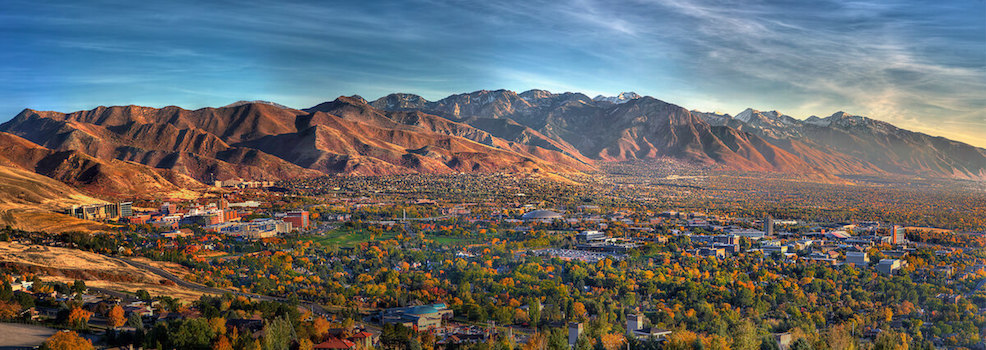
(253, 229)
(298, 219)
(857, 258)
(102, 211)
(417, 317)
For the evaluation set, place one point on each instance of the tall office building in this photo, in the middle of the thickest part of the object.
(298, 218)
(126, 209)
(896, 235)
(634, 323)
(768, 225)
(574, 331)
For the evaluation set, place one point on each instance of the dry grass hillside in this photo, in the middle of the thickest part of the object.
(67, 265)
(28, 201)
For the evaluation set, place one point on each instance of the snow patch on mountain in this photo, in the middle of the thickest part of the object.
(245, 102)
(623, 97)
(745, 115)
(815, 120)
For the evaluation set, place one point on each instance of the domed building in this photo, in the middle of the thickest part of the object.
(541, 215)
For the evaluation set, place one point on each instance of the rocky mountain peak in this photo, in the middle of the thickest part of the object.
(398, 101)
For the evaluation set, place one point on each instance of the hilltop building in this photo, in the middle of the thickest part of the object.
(102, 211)
(239, 183)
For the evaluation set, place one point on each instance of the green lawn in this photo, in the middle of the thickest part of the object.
(449, 240)
(347, 238)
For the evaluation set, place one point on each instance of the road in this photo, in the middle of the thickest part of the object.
(316, 309)
(122, 296)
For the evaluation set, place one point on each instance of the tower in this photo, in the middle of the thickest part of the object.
(896, 236)
(768, 225)
(574, 331)
(634, 323)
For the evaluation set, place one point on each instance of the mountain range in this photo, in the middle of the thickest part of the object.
(134, 150)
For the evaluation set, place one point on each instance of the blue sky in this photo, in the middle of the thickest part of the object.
(919, 65)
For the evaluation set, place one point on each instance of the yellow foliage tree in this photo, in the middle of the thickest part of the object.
(222, 344)
(305, 344)
(218, 325)
(521, 316)
(578, 310)
(683, 340)
(613, 341)
(536, 342)
(321, 326)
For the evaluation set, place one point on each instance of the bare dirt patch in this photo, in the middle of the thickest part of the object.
(23, 335)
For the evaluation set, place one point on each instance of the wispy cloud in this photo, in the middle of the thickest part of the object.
(919, 65)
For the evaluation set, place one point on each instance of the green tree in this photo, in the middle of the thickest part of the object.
(583, 343)
(891, 340)
(802, 344)
(769, 343)
(745, 336)
(79, 286)
(6, 292)
(558, 339)
(135, 321)
(395, 336)
(278, 334)
(535, 313)
(194, 333)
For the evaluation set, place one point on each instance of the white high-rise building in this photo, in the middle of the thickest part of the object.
(634, 323)
(574, 331)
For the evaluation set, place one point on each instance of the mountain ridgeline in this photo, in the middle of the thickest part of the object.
(629, 126)
(482, 131)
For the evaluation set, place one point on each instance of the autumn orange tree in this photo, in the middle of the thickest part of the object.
(78, 318)
(9, 309)
(115, 318)
(67, 340)
(578, 311)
